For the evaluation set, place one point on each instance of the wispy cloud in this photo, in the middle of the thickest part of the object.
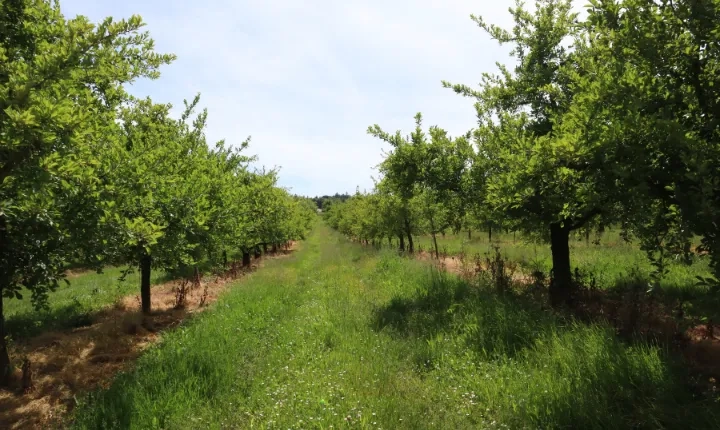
(306, 79)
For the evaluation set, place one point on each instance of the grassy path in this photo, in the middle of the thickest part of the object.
(337, 336)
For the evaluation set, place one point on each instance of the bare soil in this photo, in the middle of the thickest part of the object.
(64, 364)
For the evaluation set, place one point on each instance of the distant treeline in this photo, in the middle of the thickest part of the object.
(324, 202)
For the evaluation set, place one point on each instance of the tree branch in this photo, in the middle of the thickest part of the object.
(585, 218)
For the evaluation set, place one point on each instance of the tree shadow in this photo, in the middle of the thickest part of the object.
(30, 323)
(509, 322)
(514, 330)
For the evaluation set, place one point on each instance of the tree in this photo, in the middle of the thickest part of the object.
(663, 62)
(401, 169)
(159, 191)
(540, 165)
(60, 81)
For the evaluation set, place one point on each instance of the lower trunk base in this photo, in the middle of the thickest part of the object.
(561, 285)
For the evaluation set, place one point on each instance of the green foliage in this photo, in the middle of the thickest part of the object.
(60, 81)
(663, 82)
(60, 84)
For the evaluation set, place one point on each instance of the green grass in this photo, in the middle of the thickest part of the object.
(608, 261)
(343, 336)
(72, 305)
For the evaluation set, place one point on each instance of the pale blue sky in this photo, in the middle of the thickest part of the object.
(306, 79)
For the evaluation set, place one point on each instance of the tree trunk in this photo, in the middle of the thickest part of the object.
(469, 234)
(274, 248)
(390, 241)
(434, 238)
(587, 237)
(490, 233)
(402, 242)
(224, 256)
(561, 282)
(408, 231)
(145, 267)
(257, 252)
(246, 258)
(5, 369)
(264, 248)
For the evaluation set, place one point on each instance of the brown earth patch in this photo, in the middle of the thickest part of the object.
(74, 273)
(65, 364)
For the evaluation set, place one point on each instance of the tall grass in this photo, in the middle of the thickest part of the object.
(342, 336)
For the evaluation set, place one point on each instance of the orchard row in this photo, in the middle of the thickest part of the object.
(609, 118)
(92, 175)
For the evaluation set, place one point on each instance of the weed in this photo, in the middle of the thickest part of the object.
(27, 376)
(204, 296)
(181, 291)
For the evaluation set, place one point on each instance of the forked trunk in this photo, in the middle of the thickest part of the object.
(561, 282)
(145, 267)
(408, 232)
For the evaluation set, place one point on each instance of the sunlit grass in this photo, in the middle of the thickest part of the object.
(608, 259)
(72, 305)
(343, 336)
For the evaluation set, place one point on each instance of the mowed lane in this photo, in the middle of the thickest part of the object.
(293, 346)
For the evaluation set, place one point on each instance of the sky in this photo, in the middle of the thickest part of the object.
(306, 79)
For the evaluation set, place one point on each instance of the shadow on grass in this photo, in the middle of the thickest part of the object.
(509, 323)
(540, 368)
